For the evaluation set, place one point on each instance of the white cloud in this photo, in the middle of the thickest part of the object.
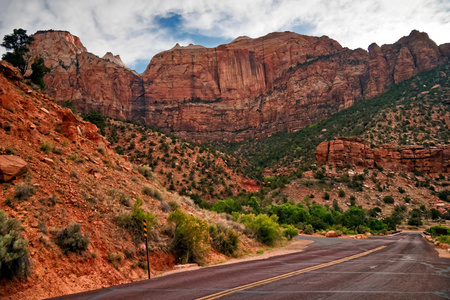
(129, 28)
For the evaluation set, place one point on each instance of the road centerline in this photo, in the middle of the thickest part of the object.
(287, 275)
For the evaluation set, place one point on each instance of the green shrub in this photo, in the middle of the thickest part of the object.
(415, 221)
(202, 203)
(290, 214)
(388, 199)
(407, 199)
(145, 171)
(70, 239)
(14, 259)
(191, 237)
(308, 229)
(147, 191)
(152, 193)
(46, 148)
(445, 239)
(435, 214)
(341, 193)
(101, 150)
(290, 232)
(326, 196)
(133, 222)
(433, 230)
(75, 157)
(157, 195)
(226, 206)
(444, 195)
(23, 191)
(223, 239)
(123, 199)
(264, 228)
(173, 205)
(377, 226)
(115, 259)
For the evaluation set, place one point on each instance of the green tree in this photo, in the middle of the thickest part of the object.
(290, 214)
(320, 218)
(355, 217)
(415, 217)
(435, 214)
(39, 70)
(255, 203)
(18, 42)
(377, 225)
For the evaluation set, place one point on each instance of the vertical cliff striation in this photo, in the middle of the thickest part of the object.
(92, 83)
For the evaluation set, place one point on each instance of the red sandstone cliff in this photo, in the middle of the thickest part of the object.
(94, 84)
(246, 89)
(352, 151)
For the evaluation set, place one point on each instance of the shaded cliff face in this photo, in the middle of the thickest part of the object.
(247, 89)
(280, 82)
(354, 152)
(94, 84)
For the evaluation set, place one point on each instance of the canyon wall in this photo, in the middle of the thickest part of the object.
(104, 85)
(344, 152)
(249, 88)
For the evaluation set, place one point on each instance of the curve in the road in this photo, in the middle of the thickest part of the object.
(287, 275)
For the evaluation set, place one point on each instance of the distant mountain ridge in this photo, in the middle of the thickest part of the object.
(247, 89)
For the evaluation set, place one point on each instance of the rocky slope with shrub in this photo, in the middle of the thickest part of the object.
(198, 171)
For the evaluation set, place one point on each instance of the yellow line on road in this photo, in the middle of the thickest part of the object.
(287, 275)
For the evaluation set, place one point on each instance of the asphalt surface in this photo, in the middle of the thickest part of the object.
(404, 266)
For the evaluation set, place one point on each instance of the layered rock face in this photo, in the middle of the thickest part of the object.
(247, 89)
(92, 83)
(354, 152)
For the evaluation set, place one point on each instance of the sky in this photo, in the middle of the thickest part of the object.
(139, 29)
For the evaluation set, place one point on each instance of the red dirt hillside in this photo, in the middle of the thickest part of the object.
(75, 177)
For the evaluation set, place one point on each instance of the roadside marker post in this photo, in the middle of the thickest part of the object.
(146, 248)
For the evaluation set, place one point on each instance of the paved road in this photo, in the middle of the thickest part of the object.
(404, 266)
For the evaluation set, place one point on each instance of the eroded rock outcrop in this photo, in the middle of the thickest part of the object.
(354, 152)
(11, 166)
(248, 88)
(92, 83)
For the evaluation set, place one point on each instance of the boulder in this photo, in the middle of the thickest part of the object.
(10, 71)
(11, 166)
(332, 234)
(360, 236)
